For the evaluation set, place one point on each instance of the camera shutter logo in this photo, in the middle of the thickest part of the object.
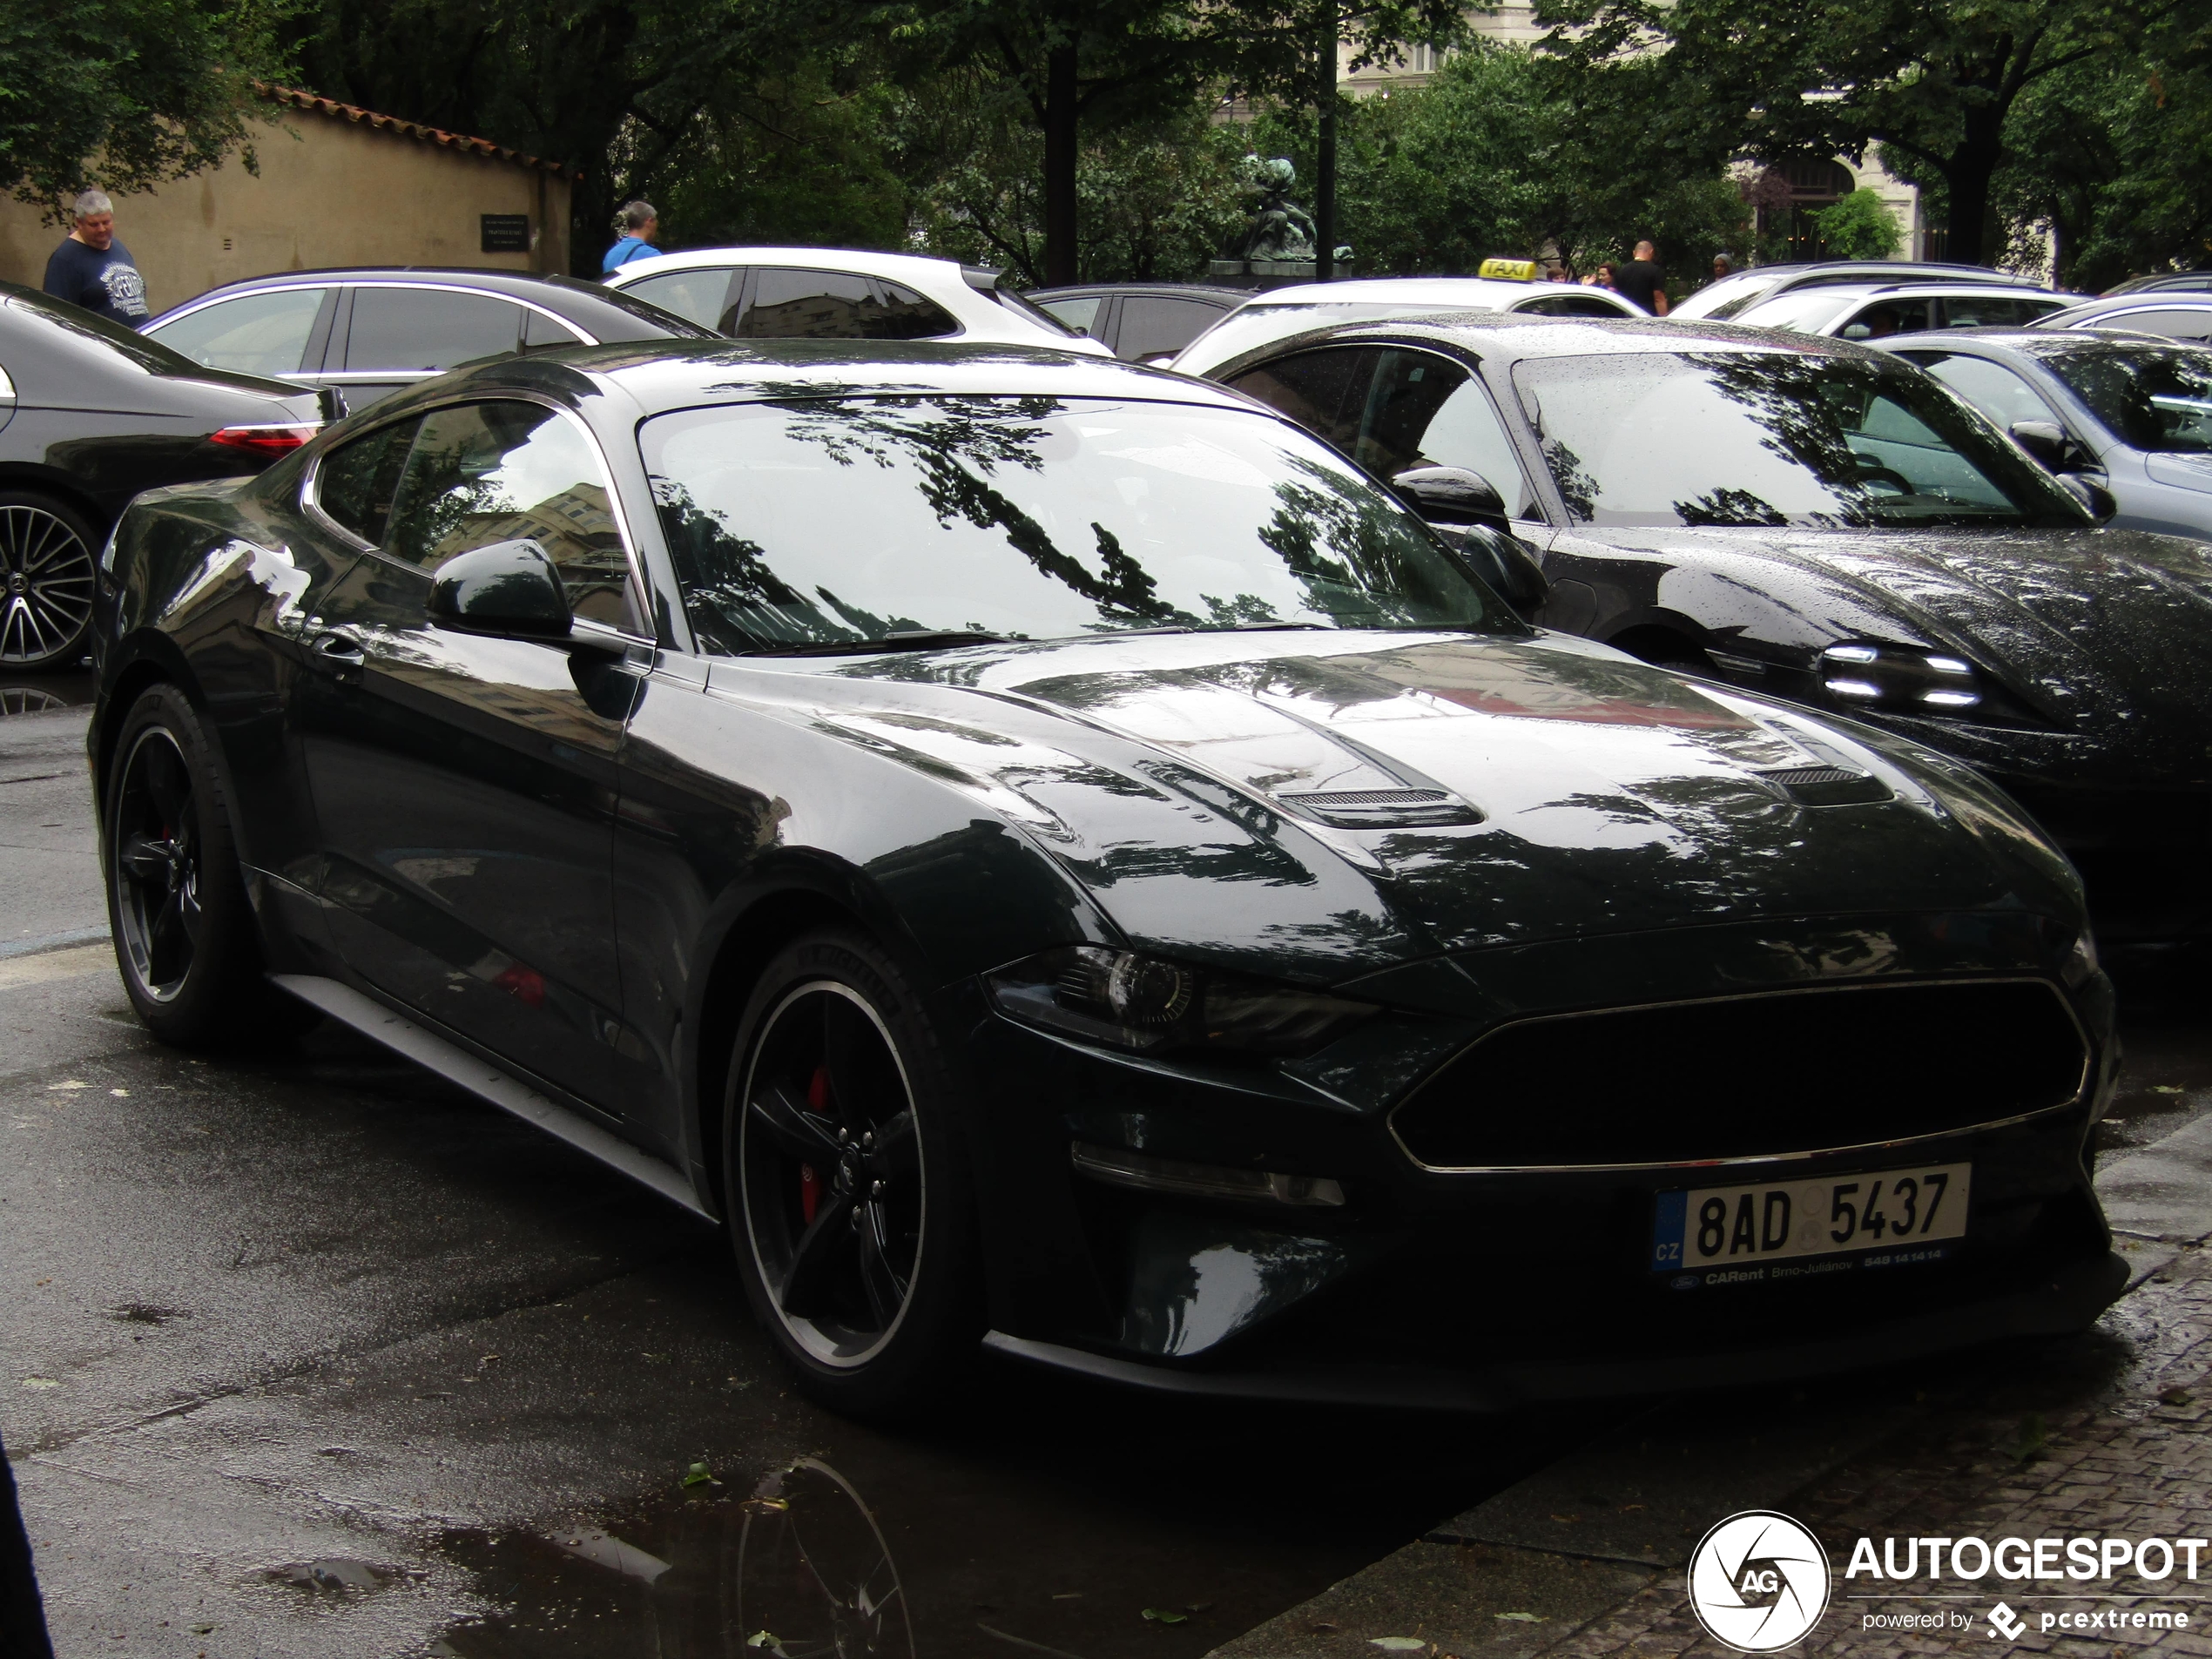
(1758, 1582)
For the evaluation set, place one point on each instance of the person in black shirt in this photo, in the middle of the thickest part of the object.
(93, 270)
(1642, 280)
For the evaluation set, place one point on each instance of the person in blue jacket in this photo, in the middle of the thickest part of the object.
(638, 221)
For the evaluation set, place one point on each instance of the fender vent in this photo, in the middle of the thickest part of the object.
(1828, 785)
(1381, 808)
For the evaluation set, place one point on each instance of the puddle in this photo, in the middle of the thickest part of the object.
(1056, 1520)
(338, 1575)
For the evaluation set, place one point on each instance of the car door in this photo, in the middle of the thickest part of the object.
(395, 334)
(702, 294)
(1160, 325)
(2176, 322)
(465, 786)
(278, 333)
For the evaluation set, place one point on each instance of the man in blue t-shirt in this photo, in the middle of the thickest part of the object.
(638, 221)
(93, 270)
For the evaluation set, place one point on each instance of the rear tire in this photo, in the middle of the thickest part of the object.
(47, 550)
(184, 933)
(849, 1198)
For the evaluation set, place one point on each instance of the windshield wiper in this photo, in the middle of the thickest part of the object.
(914, 639)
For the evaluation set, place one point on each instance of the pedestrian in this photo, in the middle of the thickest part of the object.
(22, 1619)
(92, 269)
(1642, 280)
(638, 222)
(1721, 266)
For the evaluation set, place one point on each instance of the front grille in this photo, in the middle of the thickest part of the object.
(1748, 1076)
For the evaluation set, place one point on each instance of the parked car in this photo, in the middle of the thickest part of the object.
(370, 331)
(90, 413)
(1874, 310)
(2164, 282)
(1094, 875)
(2178, 315)
(2129, 414)
(843, 294)
(1139, 320)
(1723, 301)
(1823, 524)
(1282, 312)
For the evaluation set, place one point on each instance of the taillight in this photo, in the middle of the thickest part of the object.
(264, 440)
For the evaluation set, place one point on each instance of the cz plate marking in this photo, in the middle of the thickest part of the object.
(1728, 1228)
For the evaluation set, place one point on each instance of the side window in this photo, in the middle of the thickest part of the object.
(1313, 388)
(1992, 388)
(541, 332)
(1078, 313)
(1994, 311)
(1153, 324)
(1890, 317)
(1571, 305)
(696, 296)
(1423, 410)
(505, 471)
(255, 333)
(427, 329)
(836, 304)
(2179, 323)
(354, 480)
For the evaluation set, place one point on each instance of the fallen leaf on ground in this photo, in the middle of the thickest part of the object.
(1164, 1615)
(2176, 1397)
(2165, 1088)
(40, 1382)
(71, 1084)
(1398, 1644)
(1523, 1618)
(698, 1475)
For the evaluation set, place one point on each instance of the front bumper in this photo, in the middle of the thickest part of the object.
(1470, 1291)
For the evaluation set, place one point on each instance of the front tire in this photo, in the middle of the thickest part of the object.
(183, 930)
(849, 1200)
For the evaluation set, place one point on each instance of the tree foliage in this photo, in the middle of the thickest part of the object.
(1859, 226)
(126, 93)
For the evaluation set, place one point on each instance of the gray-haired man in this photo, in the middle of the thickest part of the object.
(93, 270)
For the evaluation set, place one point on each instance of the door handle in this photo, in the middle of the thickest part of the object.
(336, 650)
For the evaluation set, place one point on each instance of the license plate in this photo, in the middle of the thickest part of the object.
(1897, 1213)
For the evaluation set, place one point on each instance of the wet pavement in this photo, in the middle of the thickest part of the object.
(309, 1352)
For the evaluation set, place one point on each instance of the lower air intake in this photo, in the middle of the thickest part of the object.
(1777, 1073)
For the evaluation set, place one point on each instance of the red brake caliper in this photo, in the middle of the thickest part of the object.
(810, 1184)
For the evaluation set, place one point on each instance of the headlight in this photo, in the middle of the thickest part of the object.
(1146, 1004)
(1899, 679)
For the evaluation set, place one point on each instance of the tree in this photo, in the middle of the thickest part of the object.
(126, 93)
(1934, 80)
(1859, 226)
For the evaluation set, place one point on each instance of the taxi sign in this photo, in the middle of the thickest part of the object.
(1509, 270)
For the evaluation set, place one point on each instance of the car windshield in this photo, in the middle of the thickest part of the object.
(1804, 311)
(2150, 397)
(885, 522)
(1774, 437)
(1722, 300)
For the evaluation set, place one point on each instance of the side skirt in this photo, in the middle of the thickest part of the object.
(456, 1065)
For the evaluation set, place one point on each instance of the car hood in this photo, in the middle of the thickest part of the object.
(1557, 789)
(2107, 634)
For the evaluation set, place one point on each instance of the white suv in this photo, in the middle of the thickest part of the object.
(841, 294)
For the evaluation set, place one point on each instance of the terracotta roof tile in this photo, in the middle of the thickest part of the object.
(299, 100)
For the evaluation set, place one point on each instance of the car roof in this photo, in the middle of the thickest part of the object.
(2146, 299)
(672, 374)
(2039, 342)
(1427, 290)
(1214, 291)
(1877, 268)
(595, 307)
(1508, 337)
(1920, 288)
(867, 261)
(523, 282)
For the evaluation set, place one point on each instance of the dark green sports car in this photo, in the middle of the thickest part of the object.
(1057, 860)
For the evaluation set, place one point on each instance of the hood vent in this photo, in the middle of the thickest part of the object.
(1828, 785)
(1381, 808)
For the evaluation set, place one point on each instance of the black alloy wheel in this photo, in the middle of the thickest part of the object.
(183, 930)
(46, 555)
(848, 1202)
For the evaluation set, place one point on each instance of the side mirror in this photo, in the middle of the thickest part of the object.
(1506, 569)
(2091, 494)
(509, 590)
(2045, 440)
(1451, 496)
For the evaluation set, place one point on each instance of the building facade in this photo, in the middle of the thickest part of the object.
(335, 186)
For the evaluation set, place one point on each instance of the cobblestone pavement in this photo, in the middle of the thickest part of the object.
(2109, 1437)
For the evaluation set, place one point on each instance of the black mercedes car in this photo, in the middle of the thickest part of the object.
(1054, 858)
(369, 330)
(90, 413)
(1818, 522)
